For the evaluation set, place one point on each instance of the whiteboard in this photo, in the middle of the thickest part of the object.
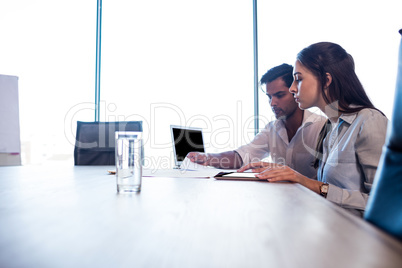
(9, 115)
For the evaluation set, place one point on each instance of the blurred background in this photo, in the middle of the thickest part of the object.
(175, 62)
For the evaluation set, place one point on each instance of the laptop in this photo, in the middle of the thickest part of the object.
(185, 140)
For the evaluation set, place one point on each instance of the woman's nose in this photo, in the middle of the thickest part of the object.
(293, 88)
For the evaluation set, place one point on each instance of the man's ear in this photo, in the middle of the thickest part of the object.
(329, 80)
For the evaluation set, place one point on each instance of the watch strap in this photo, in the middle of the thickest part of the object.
(324, 189)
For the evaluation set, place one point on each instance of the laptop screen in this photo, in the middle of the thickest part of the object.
(185, 140)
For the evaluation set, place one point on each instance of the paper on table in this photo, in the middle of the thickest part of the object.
(188, 165)
(187, 169)
(180, 173)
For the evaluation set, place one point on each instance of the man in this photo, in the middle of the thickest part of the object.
(290, 140)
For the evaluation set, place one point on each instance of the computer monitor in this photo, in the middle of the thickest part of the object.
(185, 140)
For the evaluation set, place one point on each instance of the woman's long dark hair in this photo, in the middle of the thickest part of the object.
(345, 88)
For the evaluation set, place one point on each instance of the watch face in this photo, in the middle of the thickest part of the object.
(324, 188)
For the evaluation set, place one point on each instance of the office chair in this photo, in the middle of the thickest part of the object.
(95, 141)
(384, 207)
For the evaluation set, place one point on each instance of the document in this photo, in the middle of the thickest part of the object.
(188, 165)
(180, 173)
(187, 169)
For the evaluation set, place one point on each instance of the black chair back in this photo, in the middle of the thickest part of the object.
(95, 141)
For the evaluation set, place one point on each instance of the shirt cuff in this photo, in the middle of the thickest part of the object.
(241, 158)
(335, 194)
(243, 155)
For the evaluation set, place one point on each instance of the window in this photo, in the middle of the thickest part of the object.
(182, 63)
(49, 45)
(368, 30)
(175, 62)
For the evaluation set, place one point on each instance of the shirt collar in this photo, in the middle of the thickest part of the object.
(308, 119)
(348, 118)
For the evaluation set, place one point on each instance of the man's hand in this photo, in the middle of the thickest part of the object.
(199, 158)
(228, 160)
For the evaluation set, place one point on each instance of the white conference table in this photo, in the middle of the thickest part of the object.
(73, 217)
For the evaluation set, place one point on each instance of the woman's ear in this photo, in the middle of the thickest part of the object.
(329, 80)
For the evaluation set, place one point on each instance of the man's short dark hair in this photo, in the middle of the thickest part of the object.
(285, 71)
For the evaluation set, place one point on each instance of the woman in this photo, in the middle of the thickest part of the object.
(350, 143)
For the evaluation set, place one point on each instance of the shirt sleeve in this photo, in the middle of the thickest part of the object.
(368, 147)
(258, 148)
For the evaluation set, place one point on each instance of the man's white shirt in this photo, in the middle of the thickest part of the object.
(298, 154)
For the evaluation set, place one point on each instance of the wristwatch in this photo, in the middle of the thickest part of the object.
(324, 189)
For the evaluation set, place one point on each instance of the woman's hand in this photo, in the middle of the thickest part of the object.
(257, 166)
(285, 173)
(273, 172)
(276, 173)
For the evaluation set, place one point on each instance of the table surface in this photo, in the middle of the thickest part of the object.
(73, 217)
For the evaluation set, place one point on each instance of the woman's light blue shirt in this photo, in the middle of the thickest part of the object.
(351, 153)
